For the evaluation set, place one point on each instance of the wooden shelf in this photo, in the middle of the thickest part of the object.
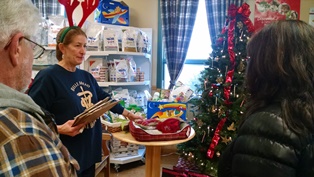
(107, 53)
(50, 47)
(107, 84)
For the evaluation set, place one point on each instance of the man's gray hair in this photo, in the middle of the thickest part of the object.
(17, 16)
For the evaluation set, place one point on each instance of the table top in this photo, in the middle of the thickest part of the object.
(127, 137)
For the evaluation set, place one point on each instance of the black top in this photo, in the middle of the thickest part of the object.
(265, 147)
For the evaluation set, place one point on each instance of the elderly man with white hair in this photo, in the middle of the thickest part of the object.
(28, 147)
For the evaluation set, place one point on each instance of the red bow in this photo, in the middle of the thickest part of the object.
(244, 10)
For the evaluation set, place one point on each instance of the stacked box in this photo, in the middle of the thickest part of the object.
(124, 153)
(122, 149)
(129, 147)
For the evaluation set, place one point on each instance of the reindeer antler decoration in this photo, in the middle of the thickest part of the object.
(88, 7)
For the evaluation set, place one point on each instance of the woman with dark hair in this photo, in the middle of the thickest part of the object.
(67, 91)
(276, 138)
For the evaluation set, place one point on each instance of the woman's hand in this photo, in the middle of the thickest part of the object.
(131, 116)
(67, 129)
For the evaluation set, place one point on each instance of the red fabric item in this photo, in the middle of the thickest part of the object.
(142, 135)
(148, 122)
(192, 174)
(171, 173)
(170, 125)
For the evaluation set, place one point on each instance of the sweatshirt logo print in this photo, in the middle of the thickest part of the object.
(86, 98)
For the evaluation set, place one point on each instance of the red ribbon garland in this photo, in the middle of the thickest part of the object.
(245, 12)
(231, 58)
(215, 140)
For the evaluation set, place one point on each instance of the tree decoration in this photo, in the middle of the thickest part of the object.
(231, 127)
(222, 93)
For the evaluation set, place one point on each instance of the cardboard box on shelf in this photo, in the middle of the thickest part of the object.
(166, 109)
(112, 12)
(124, 153)
(115, 142)
(129, 147)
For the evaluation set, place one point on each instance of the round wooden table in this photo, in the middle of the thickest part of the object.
(153, 150)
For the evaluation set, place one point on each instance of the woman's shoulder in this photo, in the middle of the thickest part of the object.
(265, 116)
(50, 70)
(266, 123)
(85, 74)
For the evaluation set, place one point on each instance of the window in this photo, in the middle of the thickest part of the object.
(48, 8)
(198, 52)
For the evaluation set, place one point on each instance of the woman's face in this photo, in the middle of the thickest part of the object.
(74, 52)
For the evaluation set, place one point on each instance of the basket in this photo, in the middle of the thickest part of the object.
(115, 127)
(142, 135)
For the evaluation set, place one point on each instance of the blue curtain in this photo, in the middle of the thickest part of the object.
(217, 11)
(178, 17)
(48, 7)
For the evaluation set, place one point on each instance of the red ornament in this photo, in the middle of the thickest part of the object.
(214, 86)
(210, 94)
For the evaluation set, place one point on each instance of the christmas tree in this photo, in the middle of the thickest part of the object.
(223, 95)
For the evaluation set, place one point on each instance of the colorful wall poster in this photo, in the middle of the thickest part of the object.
(267, 11)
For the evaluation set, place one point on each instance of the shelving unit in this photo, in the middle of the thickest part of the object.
(143, 61)
(124, 160)
(43, 62)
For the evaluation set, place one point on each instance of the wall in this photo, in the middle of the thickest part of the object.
(144, 14)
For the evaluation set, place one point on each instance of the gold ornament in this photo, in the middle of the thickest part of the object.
(231, 127)
(200, 123)
(221, 111)
(219, 80)
(213, 109)
(226, 140)
(241, 66)
(239, 24)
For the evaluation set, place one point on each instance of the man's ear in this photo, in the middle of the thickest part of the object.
(15, 48)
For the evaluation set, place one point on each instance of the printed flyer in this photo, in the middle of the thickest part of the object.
(267, 11)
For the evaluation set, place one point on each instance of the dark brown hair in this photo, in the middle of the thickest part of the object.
(67, 38)
(281, 70)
